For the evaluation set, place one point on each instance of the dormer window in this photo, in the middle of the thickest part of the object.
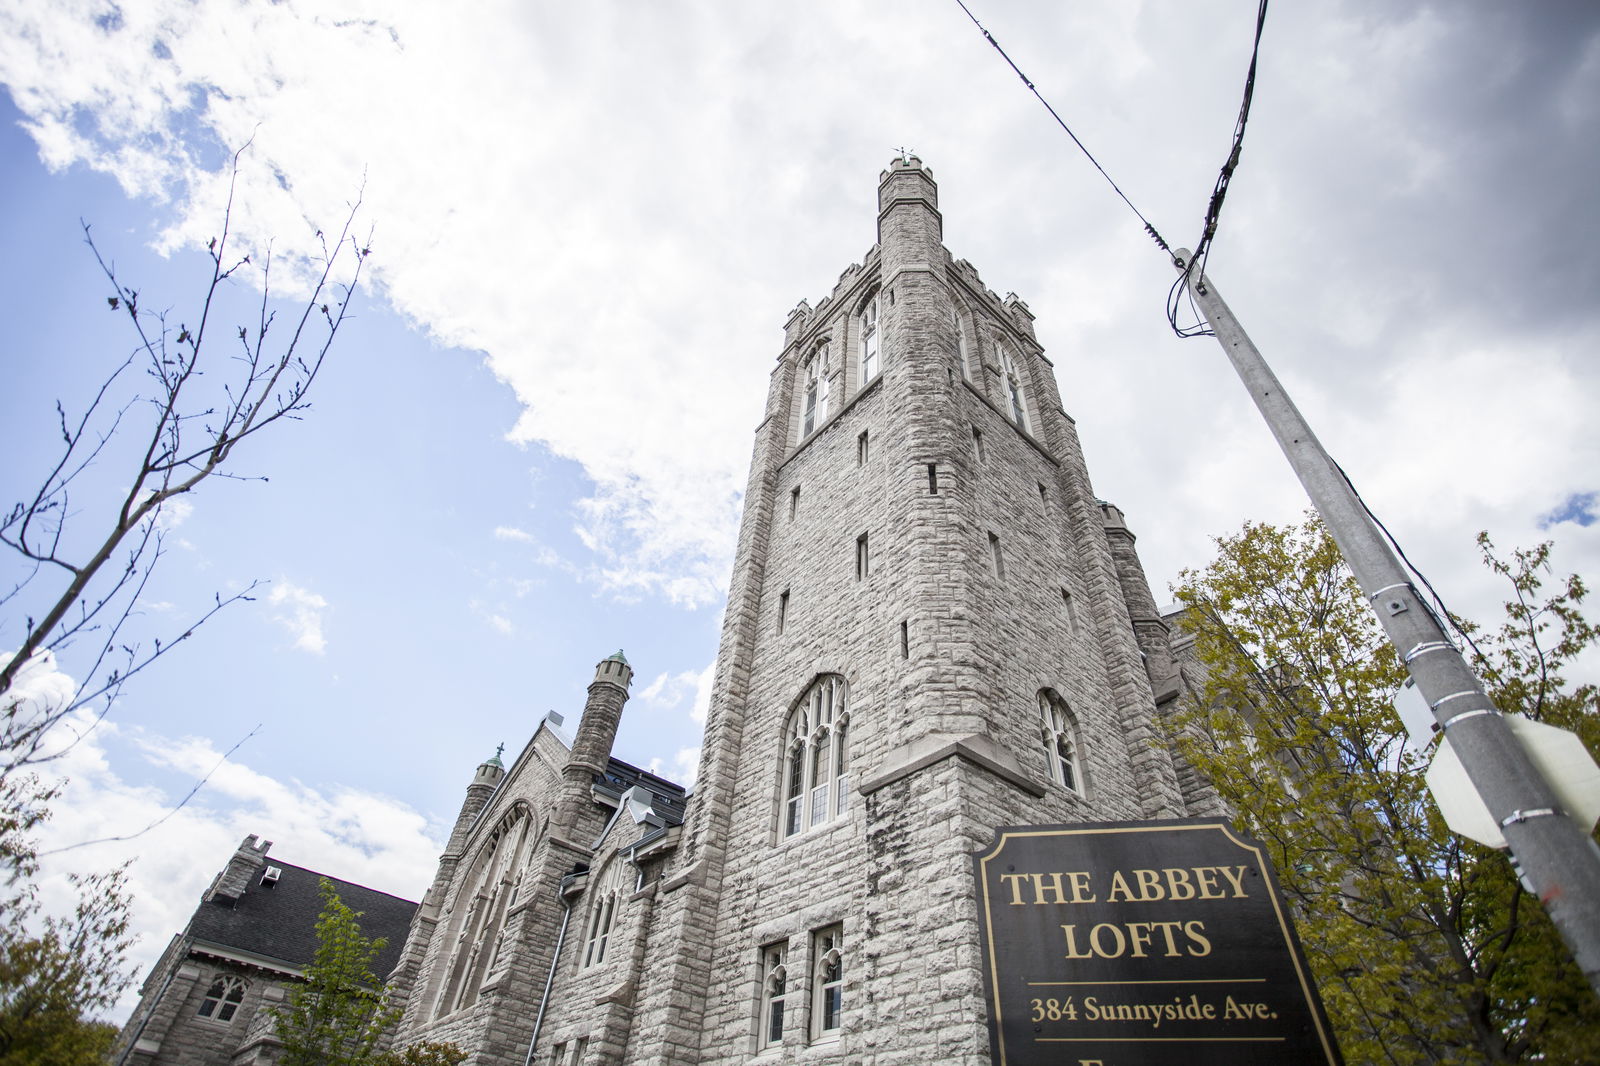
(815, 377)
(869, 341)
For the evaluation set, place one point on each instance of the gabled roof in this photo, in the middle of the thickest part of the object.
(278, 920)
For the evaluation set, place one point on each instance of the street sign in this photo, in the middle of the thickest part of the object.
(1137, 943)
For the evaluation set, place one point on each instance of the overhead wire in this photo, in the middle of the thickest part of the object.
(1194, 271)
(1182, 291)
(1176, 295)
(1148, 227)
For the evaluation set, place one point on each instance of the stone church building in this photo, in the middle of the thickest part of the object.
(933, 628)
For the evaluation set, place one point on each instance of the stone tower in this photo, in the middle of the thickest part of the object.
(933, 628)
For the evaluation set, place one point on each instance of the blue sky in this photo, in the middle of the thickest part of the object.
(589, 225)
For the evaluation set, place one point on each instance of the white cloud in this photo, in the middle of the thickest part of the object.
(668, 691)
(578, 192)
(301, 613)
(364, 837)
(174, 512)
(512, 533)
(685, 768)
(501, 623)
(39, 687)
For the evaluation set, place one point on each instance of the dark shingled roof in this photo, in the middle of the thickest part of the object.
(671, 799)
(279, 920)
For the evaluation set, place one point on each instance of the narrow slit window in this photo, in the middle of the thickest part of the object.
(794, 501)
(863, 558)
(1071, 608)
(1044, 496)
(933, 479)
(977, 444)
(862, 449)
(905, 640)
(999, 557)
(783, 609)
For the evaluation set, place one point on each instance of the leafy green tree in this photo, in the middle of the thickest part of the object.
(1425, 947)
(55, 970)
(339, 1015)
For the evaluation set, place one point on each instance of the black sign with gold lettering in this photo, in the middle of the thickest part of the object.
(1132, 943)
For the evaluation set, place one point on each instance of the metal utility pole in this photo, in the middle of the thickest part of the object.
(1558, 860)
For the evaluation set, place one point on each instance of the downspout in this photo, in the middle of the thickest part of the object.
(571, 885)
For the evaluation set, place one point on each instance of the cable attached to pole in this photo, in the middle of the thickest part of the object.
(1195, 270)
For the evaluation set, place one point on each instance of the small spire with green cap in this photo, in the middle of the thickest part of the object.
(494, 760)
(618, 657)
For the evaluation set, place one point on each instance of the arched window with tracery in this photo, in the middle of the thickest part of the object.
(814, 405)
(610, 891)
(1011, 382)
(1058, 730)
(870, 341)
(827, 982)
(479, 915)
(960, 332)
(816, 770)
(223, 998)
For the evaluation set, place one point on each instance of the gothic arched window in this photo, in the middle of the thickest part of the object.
(223, 999)
(478, 923)
(960, 331)
(608, 894)
(1011, 382)
(774, 987)
(870, 337)
(814, 407)
(816, 774)
(827, 982)
(1058, 730)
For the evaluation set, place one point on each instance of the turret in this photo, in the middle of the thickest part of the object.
(908, 214)
(484, 781)
(1149, 629)
(602, 712)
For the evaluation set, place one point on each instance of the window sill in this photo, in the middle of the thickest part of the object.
(823, 832)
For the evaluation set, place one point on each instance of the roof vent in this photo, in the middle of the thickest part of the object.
(272, 875)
